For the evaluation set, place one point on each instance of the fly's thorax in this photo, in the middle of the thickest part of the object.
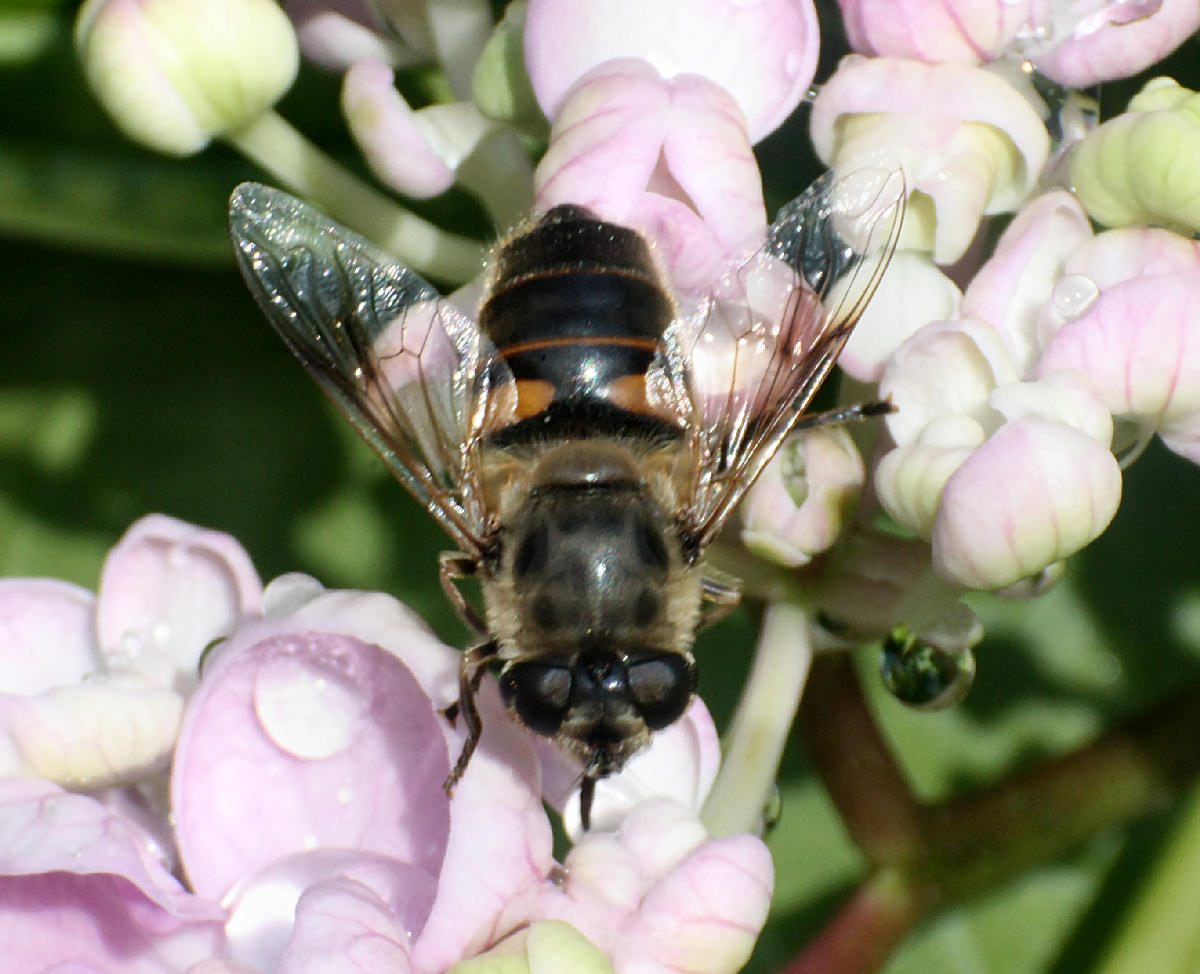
(594, 607)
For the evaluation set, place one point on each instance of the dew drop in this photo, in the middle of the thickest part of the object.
(812, 92)
(924, 676)
(345, 796)
(307, 711)
(161, 633)
(1074, 294)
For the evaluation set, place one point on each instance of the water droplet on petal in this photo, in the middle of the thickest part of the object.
(924, 676)
(345, 796)
(1074, 294)
(308, 710)
(812, 92)
(161, 633)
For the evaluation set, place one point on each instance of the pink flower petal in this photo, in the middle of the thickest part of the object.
(968, 31)
(913, 292)
(1019, 279)
(385, 129)
(79, 886)
(339, 33)
(1120, 47)
(1036, 492)
(964, 137)
(626, 146)
(46, 635)
(342, 927)
(1140, 345)
(334, 736)
(946, 368)
(764, 54)
(275, 921)
(500, 846)
(70, 924)
(45, 829)
(95, 734)
(704, 915)
(169, 589)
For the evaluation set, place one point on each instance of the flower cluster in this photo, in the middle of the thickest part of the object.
(303, 826)
(286, 812)
(1024, 378)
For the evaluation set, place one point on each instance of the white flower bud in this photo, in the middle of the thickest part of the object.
(175, 73)
(798, 506)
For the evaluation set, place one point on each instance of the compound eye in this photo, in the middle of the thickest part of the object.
(661, 685)
(539, 694)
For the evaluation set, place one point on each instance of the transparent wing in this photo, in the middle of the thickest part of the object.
(413, 374)
(739, 370)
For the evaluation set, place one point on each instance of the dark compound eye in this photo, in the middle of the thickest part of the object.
(539, 693)
(661, 686)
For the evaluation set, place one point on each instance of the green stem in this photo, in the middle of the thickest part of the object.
(762, 722)
(276, 146)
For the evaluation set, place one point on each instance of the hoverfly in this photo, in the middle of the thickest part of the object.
(585, 437)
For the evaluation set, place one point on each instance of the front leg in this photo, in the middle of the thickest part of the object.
(471, 668)
(453, 565)
(720, 593)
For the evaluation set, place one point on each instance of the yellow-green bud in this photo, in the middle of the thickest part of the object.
(547, 945)
(1143, 167)
(175, 73)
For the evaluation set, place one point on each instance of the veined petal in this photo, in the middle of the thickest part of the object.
(1140, 346)
(1036, 492)
(1019, 279)
(90, 735)
(705, 915)
(1116, 45)
(1140, 167)
(938, 31)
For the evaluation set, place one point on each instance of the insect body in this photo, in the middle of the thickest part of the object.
(587, 438)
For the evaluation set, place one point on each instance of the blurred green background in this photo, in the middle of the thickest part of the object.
(136, 375)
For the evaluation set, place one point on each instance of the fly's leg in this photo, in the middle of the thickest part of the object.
(847, 414)
(453, 565)
(720, 594)
(471, 668)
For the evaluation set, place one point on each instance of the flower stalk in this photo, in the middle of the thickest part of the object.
(926, 857)
(279, 148)
(762, 723)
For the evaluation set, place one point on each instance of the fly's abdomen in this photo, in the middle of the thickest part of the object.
(577, 313)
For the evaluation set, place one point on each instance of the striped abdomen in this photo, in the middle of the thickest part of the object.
(577, 313)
